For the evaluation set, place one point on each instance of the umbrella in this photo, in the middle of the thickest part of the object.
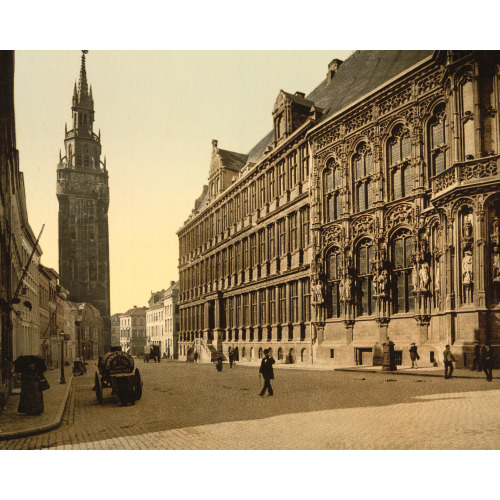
(22, 362)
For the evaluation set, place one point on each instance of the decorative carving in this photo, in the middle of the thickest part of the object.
(317, 292)
(444, 179)
(424, 276)
(333, 234)
(495, 264)
(478, 170)
(429, 82)
(331, 135)
(359, 120)
(400, 214)
(467, 276)
(395, 101)
(362, 225)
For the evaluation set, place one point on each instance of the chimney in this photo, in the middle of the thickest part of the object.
(172, 283)
(214, 143)
(332, 69)
(135, 307)
(300, 94)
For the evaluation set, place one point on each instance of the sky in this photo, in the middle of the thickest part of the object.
(158, 112)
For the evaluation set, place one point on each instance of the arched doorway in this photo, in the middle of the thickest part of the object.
(252, 353)
(291, 356)
(280, 354)
(303, 355)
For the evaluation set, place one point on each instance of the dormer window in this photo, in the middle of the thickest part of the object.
(279, 127)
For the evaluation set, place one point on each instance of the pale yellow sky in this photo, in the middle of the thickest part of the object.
(158, 112)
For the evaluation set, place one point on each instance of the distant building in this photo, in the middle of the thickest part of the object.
(83, 194)
(155, 326)
(90, 331)
(133, 330)
(115, 330)
(171, 319)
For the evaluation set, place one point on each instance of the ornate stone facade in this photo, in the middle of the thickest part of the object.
(83, 194)
(400, 237)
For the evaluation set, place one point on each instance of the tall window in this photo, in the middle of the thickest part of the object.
(272, 305)
(331, 188)
(246, 310)
(253, 249)
(281, 237)
(271, 184)
(244, 202)
(362, 166)
(467, 118)
(292, 168)
(262, 246)
(365, 300)
(262, 191)
(263, 307)
(293, 231)
(403, 300)
(304, 162)
(253, 308)
(272, 242)
(294, 302)
(304, 215)
(398, 159)
(253, 197)
(334, 264)
(281, 178)
(282, 304)
(306, 300)
(437, 139)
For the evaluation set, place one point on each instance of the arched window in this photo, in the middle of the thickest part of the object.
(437, 140)
(332, 183)
(398, 159)
(402, 247)
(365, 301)
(280, 353)
(279, 127)
(334, 263)
(362, 167)
(466, 98)
(260, 352)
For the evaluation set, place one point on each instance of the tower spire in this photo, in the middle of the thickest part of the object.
(83, 88)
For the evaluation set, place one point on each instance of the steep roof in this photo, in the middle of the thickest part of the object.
(136, 311)
(233, 160)
(357, 76)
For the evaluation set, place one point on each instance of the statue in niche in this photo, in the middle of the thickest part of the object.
(383, 279)
(348, 287)
(436, 276)
(468, 225)
(317, 290)
(495, 264)
(467, 277)
(424, 276)
(414, 276)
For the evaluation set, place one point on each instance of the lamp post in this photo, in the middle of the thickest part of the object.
(63, 338)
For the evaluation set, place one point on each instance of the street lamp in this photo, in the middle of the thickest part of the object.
(63, 338)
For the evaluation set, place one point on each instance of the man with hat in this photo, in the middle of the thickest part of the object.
(414, 355)
(448, 359)
(266, 371)
(476, 362)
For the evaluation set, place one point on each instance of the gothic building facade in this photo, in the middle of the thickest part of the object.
(370, 212)
(83, 194)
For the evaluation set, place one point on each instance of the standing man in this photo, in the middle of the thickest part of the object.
(230, 353)
(488, 359)
(414, 355)
(267, 372)
(476, 362)
(448, 362)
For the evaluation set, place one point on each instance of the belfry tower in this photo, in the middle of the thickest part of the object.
(83, 194)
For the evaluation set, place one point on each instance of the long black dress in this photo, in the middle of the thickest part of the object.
(31, 400)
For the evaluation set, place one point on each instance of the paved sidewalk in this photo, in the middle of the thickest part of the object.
(15, 425)
(427, 371)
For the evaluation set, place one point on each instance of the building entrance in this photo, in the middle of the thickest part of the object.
(363, 355)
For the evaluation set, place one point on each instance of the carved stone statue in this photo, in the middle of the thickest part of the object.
(436, 276)
(348, 287)
(468, 225)
(467, 277)
(317, 290)
(424, 276)
(495, 264)
(414, 276)
(382, 280)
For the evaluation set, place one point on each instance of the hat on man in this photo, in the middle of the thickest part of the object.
(266, 351)
(447, 345)
(413, 343)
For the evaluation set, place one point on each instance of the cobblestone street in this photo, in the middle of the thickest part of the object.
(186, 406)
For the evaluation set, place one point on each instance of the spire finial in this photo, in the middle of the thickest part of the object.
(83, 89)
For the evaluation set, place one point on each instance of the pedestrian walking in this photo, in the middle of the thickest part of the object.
(414, 355)
(230, 353)
(266, 372)
(219, 364)
(476, 362)
(488, 359)
(196, 357)
(448, 362)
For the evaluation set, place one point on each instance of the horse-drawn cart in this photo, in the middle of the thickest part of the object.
(116, 370)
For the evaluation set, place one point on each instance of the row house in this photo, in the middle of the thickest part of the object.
(155, 323)
(171, 318)
(133, 331)
(370, 212)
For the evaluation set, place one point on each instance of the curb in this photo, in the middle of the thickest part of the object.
(56, 422)
(411, 374)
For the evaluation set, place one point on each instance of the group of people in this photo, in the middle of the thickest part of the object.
(483, 360)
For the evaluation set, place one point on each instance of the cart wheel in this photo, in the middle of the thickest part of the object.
(98, 388)
(138, 385)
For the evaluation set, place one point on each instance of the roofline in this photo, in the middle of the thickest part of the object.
(372, 92)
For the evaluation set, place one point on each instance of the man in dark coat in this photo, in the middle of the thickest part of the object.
(267, 372)
(414, 355)
(230, 353)
(448, 359)
(476, 362)
(487, 361)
